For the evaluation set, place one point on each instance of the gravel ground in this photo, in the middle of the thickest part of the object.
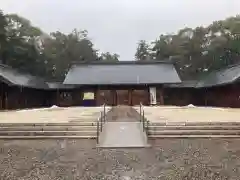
(51, 115)
(153, 114)
(168, 159)
(191, 114)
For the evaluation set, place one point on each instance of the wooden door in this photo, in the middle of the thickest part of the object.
(140, 96)
(123, 97)
(105, 97)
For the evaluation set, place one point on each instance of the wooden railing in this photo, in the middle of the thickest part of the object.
(101, 121)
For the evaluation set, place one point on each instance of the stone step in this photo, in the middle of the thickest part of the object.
(48, 137)
(192, 136)
(202, 123)
(92, 123)
(195, 132)
(49, 128)
(48, 133)
(213, 127)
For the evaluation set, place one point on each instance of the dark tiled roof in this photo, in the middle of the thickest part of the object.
(220, 77)
(13, 77)
(122, 73)
(183, 84)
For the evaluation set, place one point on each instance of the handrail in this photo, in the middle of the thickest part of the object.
(100, 122)
(145, 122)
(97, 131)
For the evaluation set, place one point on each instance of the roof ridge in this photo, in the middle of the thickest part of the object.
(122, 62)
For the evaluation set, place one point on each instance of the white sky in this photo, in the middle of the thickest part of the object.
(117, 25)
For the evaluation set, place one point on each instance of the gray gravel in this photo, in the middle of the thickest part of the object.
(168, 159)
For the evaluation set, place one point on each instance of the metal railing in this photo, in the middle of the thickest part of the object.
(101, 121)
(143, 120)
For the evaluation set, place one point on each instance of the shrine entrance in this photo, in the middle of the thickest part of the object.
(123, 97)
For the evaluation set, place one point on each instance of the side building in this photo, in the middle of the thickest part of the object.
(121, 83)
(220, 88)
(20, 90)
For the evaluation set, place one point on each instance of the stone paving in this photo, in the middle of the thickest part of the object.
(175, 159)
(119, 113)
(123, 134)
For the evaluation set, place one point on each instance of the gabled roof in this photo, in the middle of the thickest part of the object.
(12, 77)
(228, 75)
(122, 73)
(220, 77)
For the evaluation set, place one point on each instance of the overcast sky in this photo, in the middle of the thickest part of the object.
(117, 25)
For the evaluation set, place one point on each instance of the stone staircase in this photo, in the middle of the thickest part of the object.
(164, 128)
(87, 128)
(76, 122)
(194, 130)
(48, 131)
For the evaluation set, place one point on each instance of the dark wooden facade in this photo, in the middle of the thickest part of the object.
(184, 96)
(109, 95)
(14, 97)
(217, 96)
(223, 96)
(122, 95)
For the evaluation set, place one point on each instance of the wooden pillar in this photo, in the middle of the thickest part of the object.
(97, 96)
(4, 96)
(57, 98)
(114, 92)
(148, 90)
(130, 97)
(6, 100)
(205, 97)
(161, 96)
(1, 95)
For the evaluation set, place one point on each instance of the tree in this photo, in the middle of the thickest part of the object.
(109, 57)
(142, 53)
(62, 50)
(3, 36)
(199, 50)
(22, 45)
(26, 47)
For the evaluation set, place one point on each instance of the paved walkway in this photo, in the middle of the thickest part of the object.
(122, 135)
(123, 113)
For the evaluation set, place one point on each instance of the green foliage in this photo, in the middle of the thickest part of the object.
(109, 57)
(199, 50)
(142, 53)
(3, 37)
(61, 50)
(26, 47)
